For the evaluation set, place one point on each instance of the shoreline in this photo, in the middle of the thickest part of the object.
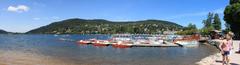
(209, 60)
(214, 58)
(26, 58)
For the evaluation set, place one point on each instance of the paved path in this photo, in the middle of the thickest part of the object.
(235, 58)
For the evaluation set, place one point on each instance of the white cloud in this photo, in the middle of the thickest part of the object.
(18, 8)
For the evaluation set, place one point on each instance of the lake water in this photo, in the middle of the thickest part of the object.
(49, 50)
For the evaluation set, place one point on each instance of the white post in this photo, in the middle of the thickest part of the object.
(239, 47)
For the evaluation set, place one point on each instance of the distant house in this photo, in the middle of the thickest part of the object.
(215, 34)
(169, 32)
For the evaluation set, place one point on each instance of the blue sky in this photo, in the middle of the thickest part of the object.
(24, 15)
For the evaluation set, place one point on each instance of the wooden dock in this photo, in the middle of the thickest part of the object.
(155, 45)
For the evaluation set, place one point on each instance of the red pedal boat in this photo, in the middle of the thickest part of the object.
(100, 43)
(84, 42)
(121, 44)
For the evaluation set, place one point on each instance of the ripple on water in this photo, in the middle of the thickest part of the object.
(48, 50)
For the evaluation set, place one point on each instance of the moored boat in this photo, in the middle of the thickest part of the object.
(84, 42)
(101, 43)
(187, 43)
(122, 44)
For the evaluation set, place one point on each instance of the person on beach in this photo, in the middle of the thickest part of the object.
(225, 47)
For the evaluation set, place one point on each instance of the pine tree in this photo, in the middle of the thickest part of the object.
(208, 22)
(217, 22)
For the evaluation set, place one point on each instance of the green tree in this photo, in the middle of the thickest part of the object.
(227, 27)
(189, 30)
(232, 16)
(217, 22)
(208, 26)
(191, 27)
(208, 22)
(206, 31)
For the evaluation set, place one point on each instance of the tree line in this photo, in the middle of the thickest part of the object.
(212, 22)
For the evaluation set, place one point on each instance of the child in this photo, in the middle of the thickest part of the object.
(225, 47)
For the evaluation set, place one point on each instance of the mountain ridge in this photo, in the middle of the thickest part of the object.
(102, 26)
(3, 31)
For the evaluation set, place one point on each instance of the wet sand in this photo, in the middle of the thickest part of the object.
(20, 58)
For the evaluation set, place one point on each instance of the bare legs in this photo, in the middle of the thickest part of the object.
(226, 60)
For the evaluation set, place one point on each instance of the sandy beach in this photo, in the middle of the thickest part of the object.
(235, 58)
(216, 59)
(21, 58)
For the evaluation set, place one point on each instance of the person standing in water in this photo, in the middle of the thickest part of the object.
(225, 47)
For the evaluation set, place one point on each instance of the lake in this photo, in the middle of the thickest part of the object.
(46, 49)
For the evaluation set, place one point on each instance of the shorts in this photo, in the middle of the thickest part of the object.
(226, 53)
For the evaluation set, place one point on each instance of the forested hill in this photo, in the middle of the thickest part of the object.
(101, 26)
(3, 32)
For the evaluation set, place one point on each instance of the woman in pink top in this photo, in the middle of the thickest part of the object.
(225, 47)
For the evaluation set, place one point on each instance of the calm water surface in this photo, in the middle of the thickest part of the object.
(49, 50)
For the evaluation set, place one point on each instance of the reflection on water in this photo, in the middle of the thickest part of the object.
(49, 50)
